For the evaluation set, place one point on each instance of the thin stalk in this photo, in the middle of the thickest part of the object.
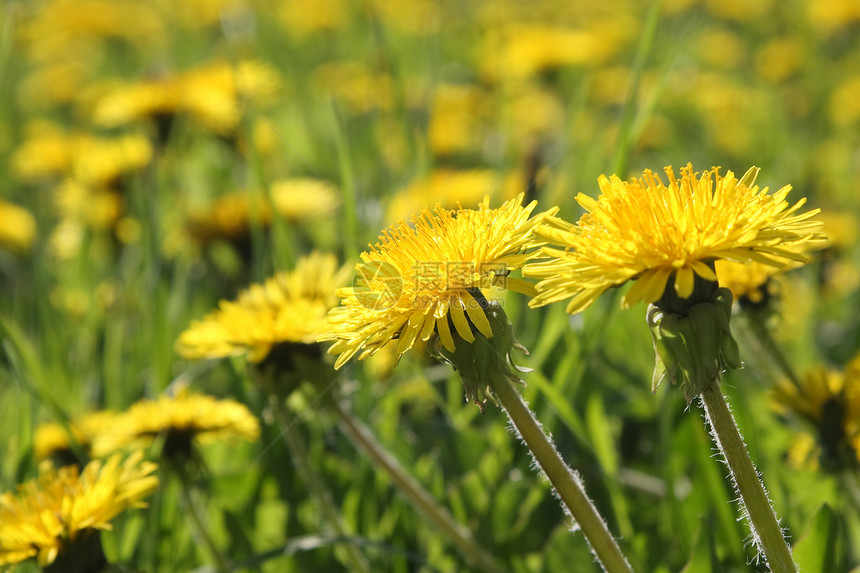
(199, 527)
(419, 497)
(760, 512)
(563, 479)
(351, 555)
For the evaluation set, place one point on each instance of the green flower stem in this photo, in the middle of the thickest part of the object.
(762, 517)
(350, 553)
(420, 498)
(201, 533)
(563, 479)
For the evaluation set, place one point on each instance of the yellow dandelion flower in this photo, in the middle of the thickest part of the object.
(450, 187)
(751, 281)
(829, 400)
(212, 94)
(747, 281)
(423, 273)
(90, 159)
(524, 50)
(289, 307)
(353, 84)
(182, 420)
(458, 118)
(17, 228)
(127, 103)
(49, 514)
(61, 28)
(300, 19)
(818, 388)
(52, 440)
(659, 236)
(230, 216)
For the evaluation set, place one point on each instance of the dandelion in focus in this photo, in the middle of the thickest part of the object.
(423, 273)
(661, 237)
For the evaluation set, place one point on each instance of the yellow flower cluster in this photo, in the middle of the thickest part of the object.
(294, 200)
(213, 95)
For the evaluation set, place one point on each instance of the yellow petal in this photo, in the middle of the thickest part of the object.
(460, 322)
(445, 333)
(684, 282)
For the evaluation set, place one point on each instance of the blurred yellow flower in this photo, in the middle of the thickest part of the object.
(48, 514)
(214, 95)
(720, 49)
(521, 51)
(450, 188)
(301, 18)
(54, 83)
(458, 117)
(844, 105)
(829, 401)
(59, 29)
(358, 88)
(289, 307)
(182, 421)
(779, 58)
(423, 276)
(90, 159)
(833, 14)
(17, 228)
(51, 440)
(295, 200)
(745, 280)
(662, 236)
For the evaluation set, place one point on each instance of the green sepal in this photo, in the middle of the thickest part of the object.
(693, 349)
(483, 359)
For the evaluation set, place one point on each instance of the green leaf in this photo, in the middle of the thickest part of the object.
(816, 550)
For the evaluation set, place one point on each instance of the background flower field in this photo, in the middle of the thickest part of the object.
(157, 158)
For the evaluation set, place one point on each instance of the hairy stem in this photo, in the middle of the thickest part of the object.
(563, 479)
(761, 515)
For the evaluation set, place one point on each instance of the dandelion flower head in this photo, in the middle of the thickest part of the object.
(662, 235)
(54, 440)
(48, 512)
(427, 272)
(829, 400)
(181, 420)
(289, 307)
